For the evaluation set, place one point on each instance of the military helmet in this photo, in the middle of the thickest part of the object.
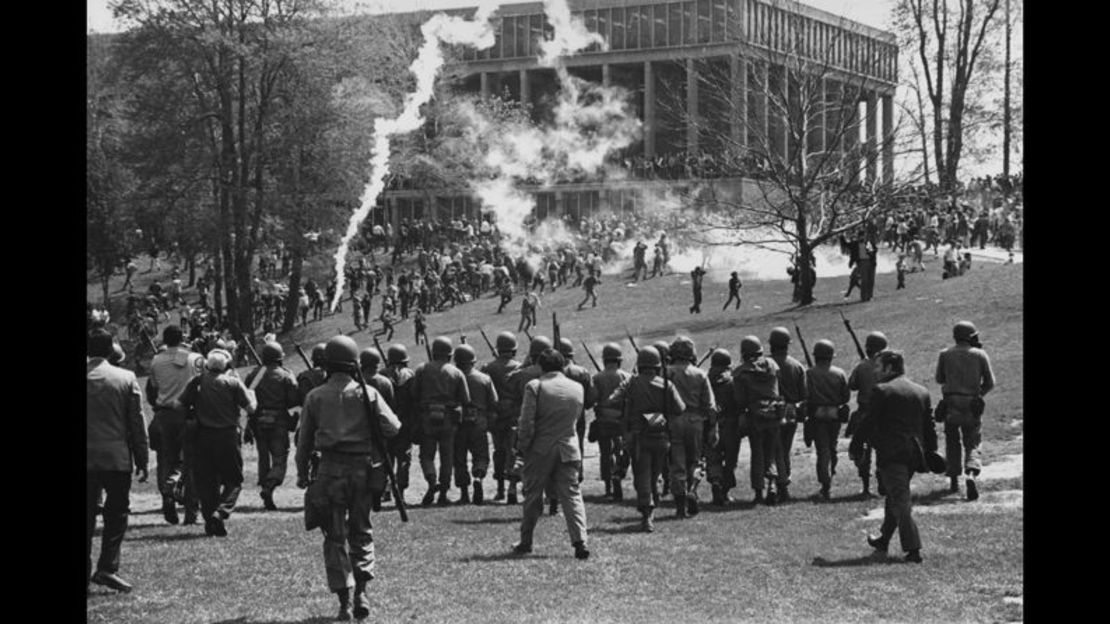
(875, 342)
(823, 349)
(682, 349)
(611, 351)
(318, 354)
(566, 347)
(272, 353)
(217, 360)
(539, 345)
(750, 346)
(506, 342)
(464, 354)
(397, 354)
(964, 331)
(441, 347)
(780, 337)
(340, 351)
(370, 358)
(663, 348)
(721, 358)
(648, 357)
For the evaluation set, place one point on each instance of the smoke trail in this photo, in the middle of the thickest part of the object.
(441, 28)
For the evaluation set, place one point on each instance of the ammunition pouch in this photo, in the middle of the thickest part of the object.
(654, 423)
(767, 410)
(826, 413)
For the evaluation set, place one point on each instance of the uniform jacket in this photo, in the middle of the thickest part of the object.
(574, 372)
(693, 386)
(217, 398)
(308, 381)
(335, 419)
(966, 370)
(552, 404)
(644, 394)
(170, 371)
(384, 386)
(402, 398)
(755, 381)
(438, 382)
(605, 383)
(115, 435)
(515, 383)
(828, 386)
(792, 378)
(483, 396)
(898, 423)
(720, 379)
(276, 393)
(863, 379)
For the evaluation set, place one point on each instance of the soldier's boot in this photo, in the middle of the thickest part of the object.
(609, 487)
(784, 493)
(464, 496)
(511, 499)
(442, 499)
(344, 596)
(500, 495)
(267, 497)
(429, 497)
(190, 516)
(553, 507)
(718, 495)
(825, 491)
(647, 519)
(618, 491)
(387, 496)
(169, 510)
(479, 496)
(680, 505)
(362, 602)
(972, 489)
(953, 484)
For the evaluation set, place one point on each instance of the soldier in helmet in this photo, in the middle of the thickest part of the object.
(471, 436)
(756, 388)
(649, 403)
(607, 420)
(577, 373)
(504, 420)
(664, 352)
(170, 371)
(828, 404)
(400, 445)
(792, 388)
(439, 391)
(277, 393)
(721, 458)
(309, 379)
(369, 361)
(863, 379)
(964, 373)
(335, 423)
(697, 421)
(514, 387)
(213, 400)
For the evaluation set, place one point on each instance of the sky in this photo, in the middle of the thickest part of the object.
(871, 12)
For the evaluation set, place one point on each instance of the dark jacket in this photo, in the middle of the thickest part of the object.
(899, 425)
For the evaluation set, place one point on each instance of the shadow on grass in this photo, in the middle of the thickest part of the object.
(319, 619)
(874, 558)
(162, 537)
(937, 497)
(508, 555)
(239, 509)
(472, 521)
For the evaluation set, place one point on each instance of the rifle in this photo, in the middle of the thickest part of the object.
(488, 343)
(378, 346)
(149, 341)
(250, 348)
(304, 357)
(631, 340)
(376, 439)
(555, 327)
(427, 349)
(847, 324)
(808, 424)
(591, 355)
(529, 335)
(809, 360)
(706, 356)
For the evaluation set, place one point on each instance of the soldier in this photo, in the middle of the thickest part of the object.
(552, 403)
(335, 423)
(277, 393)
(756, 387)
(863, 379)
(649, 403)
(733, 291)
(213, 400)
(899, 429)
(115, 441)
(369, 360)
(439, 391)
(664, 352)
(732, 426)
(964, 373)
(400, 445)
(516, 382)
(792, 387)
(696, 278)
(170, 371)
(607, 420)
(696, 423)
(310, 378)
(828, 406)
(503, 426)
(471, 436)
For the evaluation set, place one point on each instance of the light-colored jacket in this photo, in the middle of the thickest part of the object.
(115, 433)
(548, 415)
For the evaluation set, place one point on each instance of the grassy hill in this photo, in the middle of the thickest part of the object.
(803, 561)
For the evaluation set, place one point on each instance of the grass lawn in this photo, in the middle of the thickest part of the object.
(803, 561)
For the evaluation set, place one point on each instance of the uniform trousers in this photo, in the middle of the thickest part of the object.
(116, 484)
(786, 445)
(824, 441)
(218, 472)
(547, 471)
(648, 455)
(504, 439)
(348, 542)
(443, 440)
(897, 511)
(767, 458)
(722, 459)
(272, 442)
(614, 461)
(686, 443)
(471, 438)
(961, 447)
(400, 449)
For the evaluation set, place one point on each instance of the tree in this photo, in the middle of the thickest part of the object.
(797, 142)
(946, 45)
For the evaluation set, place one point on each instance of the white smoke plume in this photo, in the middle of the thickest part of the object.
(440, 29)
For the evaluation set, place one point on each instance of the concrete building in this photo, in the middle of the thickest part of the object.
(706, 77)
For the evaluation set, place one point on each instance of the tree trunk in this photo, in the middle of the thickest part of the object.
(292, 302)
(218, 282)
(1006, 114)
(192, 264)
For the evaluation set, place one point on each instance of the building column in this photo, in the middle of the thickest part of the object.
(872, 152)
(787, 154)
(763, 85)
(391, 213)
(606, 77)
(851, 135)
(484, 90)
(692, 119)
(649, 111)
(738, 112)
(888, 139)
(525, 90)
(557, 209)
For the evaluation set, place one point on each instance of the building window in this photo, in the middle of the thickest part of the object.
(603, 25)
(591, 25)
(705, 21)
(659, 36)
(498, 37)
(720, 18)
(535, 31)
(674, 24)
(632, 33)
(645, 26)
(521, 35)
(618, 29)
(689, 22)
